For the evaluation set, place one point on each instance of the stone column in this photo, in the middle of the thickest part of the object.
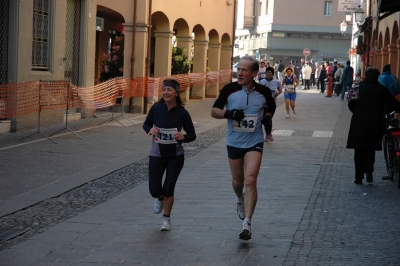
(378, 59)
(398, 59)
(199, 66)
(392, 49)
(142, 30)
(163, 53)
(187, 42)
(385, 57)
(226, 53)
(214, 59)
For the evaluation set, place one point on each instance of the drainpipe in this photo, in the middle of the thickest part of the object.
(133, 51)
(369, 33)
(148, 53)
(233, 32)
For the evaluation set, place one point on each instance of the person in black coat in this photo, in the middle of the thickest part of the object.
(365, 133)
(322, 77)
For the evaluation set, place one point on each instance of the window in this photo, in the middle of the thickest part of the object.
(293, 35)
(306, 36)
(328, 9)
(41, 35)
(278, 34)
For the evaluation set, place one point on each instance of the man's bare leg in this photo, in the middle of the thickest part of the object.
(237, 172)
(252, 163)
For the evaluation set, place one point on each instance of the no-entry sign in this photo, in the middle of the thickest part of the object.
(306, 52)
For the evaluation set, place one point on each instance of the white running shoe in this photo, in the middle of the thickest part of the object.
(240, 209)
(158, 206)
(245, 234)
(166, 224)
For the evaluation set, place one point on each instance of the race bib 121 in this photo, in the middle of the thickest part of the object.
(166, 135)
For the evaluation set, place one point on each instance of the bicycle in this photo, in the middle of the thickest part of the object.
(391, 149)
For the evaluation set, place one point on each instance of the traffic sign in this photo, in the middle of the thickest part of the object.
(306, 52)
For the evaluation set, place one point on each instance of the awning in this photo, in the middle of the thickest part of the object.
(389, 7)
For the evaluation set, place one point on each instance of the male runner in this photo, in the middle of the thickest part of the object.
(276, 88)
(244, 101)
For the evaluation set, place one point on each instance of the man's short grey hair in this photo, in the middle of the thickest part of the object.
(372, 73)
(254, 63)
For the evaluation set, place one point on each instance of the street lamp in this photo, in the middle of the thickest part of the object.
(343, 28)
(358, 18)
(359, 15)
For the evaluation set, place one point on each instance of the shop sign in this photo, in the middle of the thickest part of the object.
(348, 5)
(334, 55)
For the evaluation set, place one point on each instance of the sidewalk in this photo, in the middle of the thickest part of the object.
(309, 211)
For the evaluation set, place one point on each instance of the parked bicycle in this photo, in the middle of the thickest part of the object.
(391, 149)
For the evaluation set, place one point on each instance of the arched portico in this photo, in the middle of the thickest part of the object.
(184, 39)
(226, 53)
(385, 49)
(199, 57)
(213, 57)
(163, 44)
(378, 53)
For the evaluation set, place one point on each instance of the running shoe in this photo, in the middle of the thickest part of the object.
(270, 138)
(158, 206)
(240, 209)
(166, 224)
(245, 234)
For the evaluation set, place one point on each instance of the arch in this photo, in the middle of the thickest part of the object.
(395, 32)
(105, 37)
(181, 28)
(213, 37)
(160, 22)
(106, 12)
(380, 42)
(226, 40)
(387, 37)
(199, 33)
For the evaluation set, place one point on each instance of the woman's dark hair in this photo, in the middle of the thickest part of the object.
(372, 73)
(178, 97)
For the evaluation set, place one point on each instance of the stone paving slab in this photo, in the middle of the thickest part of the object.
(309, 210)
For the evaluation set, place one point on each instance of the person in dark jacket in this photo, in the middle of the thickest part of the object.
(322, 77)
(347, 79)
(164, 123)
(365, 133)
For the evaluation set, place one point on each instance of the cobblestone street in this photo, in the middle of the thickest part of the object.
(86, 201)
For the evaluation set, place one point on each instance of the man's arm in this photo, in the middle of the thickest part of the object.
(217, 113)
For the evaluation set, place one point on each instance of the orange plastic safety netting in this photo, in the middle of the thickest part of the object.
(30, 97)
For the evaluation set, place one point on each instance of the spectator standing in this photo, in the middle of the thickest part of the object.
(337, 78)
(313, 72)
(328, 68)
(306, 73)
(347, 79)
(365, 133)
(322, 77)
(281, 67)
(297, 69)
(317, 73)
(335, 68)
(390, 81)
(276, 69)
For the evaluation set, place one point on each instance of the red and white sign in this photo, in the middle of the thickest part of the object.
(306, 52)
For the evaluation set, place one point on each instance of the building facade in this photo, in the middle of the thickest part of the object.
(70, 38)
(380, 34)
(276, 30)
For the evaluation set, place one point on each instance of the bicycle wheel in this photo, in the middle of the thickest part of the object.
(396, 162)
(387, 154)
(396, 178)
